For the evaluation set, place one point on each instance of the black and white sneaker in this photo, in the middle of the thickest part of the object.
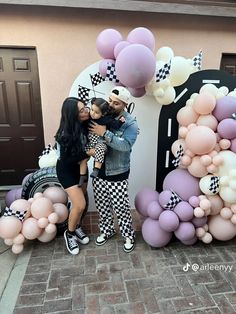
(81, 236)
(71, 243)
(103, 238)
(128, 245)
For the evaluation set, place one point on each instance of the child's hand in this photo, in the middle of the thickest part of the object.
(90, 152)
(97, 128)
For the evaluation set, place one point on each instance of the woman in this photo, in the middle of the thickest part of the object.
(72, 138)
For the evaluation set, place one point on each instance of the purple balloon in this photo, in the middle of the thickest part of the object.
(168, 220)
(224, 108)
(185, 231)
(183, 183)
(153, 234)
(164, 197)
(227, 128)
(10, 197)
(190, 242)
(143, 198)
(142, 35)
(194, 201)
(103, 66)
(154, 210)
(233, 145)
(199, 222)
(135, 65)
(184, 211)
(106, 42)
(121, 45)
(137, 92)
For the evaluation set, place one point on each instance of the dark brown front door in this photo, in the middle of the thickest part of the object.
(228, 63)
(21, 128)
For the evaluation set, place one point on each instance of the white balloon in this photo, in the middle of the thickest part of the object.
(169, 96)
(204, 185)
(179, 71)
(233, 94)
(224, 90)
(210, 88)
(164, 54)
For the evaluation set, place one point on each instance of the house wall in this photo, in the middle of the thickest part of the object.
(65, 40)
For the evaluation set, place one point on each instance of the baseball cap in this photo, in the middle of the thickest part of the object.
(121, 93)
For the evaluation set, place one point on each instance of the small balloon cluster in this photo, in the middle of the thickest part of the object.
(131, 62)
(35, 218)
(198, 200)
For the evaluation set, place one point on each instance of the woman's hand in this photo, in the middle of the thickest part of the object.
(97, 128)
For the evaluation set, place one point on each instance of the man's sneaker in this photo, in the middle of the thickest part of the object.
(102, 238)
(81, 236)
(128, 245)
(71, 243)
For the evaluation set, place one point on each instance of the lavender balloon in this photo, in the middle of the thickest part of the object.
(183, 183)
(142, 35)
(191, 241)
(153, 234)
(106, 42)
(185, 231)
(143, 198)
(103, 66)
(168, 221)
(184, 211)
(199, 222)
(154, 210)
(224, 108)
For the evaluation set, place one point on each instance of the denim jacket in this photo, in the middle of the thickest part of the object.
(119, 143)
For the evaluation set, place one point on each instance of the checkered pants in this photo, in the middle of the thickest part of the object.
(110, 196)
(100, 147)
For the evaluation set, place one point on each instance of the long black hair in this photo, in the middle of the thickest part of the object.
(71, 132)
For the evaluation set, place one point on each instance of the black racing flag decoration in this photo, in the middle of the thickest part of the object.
(197, 60)
(163, 72)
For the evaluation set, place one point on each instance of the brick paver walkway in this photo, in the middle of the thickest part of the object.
(106, 280)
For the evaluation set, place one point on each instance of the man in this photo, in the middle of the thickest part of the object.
(111, 185)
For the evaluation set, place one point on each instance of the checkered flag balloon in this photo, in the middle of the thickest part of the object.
(197, 60)
(174, 200)
(46, 150)
(97, 78)
(83, 93)
(180, 153)
(214, 184)
(111, 73)
(163, 72)
(12, 212)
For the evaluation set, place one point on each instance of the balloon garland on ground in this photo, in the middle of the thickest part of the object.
(198, 200)
(35, 218)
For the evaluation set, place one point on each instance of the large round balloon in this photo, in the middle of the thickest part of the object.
(168, 220)
(221, 229)
(41, 207)
(144, 198)
(30, 229)
(201, 140)
(106, 42)
(185, 231)
(183, 183)
(142, 35)
(154, 235)
(135, 66)
(56, 195)
(10, 226)
(179, 71)
(224, 108)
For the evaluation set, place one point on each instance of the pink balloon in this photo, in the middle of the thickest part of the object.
(53, 218)
(10, 226)
(106, 42)
(103, 66)
(51, 228)
(142, 35)
(137, 92)
(204, 103)
(168, 220)
(201, 140)
(62, 211)
(196, 168)
(46, 237)
(185, 231)
(143, 198)
(17, 248)
(186, 116)
(153, 234)
(20, 205)
(183, 183)
(42, 222)
(56, 195)
(19, 239)
(194, 201)
(221, 229)
(135, 66)
(208, 120)
(30, 229)
(41, 207)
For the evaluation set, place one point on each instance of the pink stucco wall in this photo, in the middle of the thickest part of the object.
(65, 42)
